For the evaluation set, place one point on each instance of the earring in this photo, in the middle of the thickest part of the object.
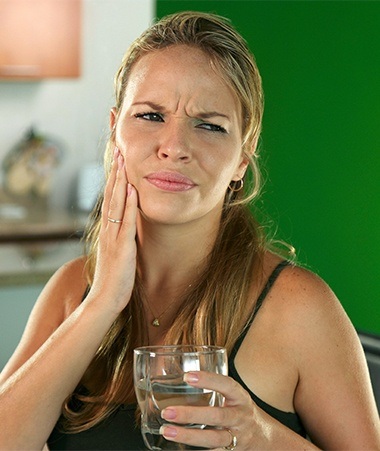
(236, 185)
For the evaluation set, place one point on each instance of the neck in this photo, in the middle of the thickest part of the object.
(172, 255)
(171, 258)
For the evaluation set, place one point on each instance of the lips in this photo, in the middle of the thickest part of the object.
(170, 181)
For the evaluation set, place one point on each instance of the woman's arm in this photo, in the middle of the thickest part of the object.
(302, 324)
(48, 365)
(31, 398)
(334, 396)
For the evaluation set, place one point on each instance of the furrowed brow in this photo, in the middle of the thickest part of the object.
(212, 114)
(152, 105)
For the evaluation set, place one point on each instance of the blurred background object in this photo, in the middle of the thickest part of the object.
(50, 178)
(29, 167)
(39, 39)
(90, 182)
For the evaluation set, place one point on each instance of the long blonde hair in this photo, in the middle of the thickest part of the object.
(214, 310)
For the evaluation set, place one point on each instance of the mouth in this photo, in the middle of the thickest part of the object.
(170, 181)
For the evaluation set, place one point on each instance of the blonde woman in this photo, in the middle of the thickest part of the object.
(175, 257)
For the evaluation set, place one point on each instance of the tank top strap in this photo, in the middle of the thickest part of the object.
(270, 282)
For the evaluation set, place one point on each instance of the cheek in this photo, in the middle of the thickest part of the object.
(223, 166)
(217, 159)
(136, 155)
(131, 166)
(131, 145)
(124, 137)
(127, 134)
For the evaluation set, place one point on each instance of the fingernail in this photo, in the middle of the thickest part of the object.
(191, 377)
(129, 189)
(168, 414)
(168, 431)
(120, 161)
(115, 153)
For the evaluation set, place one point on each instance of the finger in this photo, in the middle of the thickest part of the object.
(128, 226)
(109, 188)
(233, 392)
(212, 416)
(205, 438)
(117, 203)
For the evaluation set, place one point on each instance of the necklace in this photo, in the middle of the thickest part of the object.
(156, 319)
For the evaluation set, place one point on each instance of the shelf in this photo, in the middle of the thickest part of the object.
(40, 225)
(35, 242)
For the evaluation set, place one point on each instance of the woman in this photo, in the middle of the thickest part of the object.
(175, 257)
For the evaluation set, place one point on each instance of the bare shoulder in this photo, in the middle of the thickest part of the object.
(298, 291)
(302, 312)
(61, 295)
(308, 309)
(322, 343)
(67, 286)
(307, 297)
(313, 318)
(303, 323)
(58, 299)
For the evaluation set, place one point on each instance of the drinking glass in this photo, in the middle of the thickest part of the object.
(159, 383)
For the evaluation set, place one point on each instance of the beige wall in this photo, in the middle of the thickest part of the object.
(76, 110)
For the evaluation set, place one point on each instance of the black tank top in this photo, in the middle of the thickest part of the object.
(120, 431)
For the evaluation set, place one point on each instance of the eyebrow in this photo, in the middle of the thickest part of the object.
(205, 115)
(208, 115)
(154, 106)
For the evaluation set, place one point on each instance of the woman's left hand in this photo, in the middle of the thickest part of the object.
(237, 421)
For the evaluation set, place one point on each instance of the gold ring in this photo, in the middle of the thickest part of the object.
(233, 443)
(114, 221)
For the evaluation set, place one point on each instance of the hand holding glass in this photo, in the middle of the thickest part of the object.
(159, 383)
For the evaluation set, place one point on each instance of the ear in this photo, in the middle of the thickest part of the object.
(240, 171)
(113, 117)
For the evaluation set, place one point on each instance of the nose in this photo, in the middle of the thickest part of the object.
(175, 142)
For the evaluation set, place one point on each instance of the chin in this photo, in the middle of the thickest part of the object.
(169, 210)
(162, 221)
(170, 216)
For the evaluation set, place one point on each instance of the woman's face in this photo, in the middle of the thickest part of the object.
(179, 131)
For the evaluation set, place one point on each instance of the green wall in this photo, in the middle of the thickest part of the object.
(320, 63)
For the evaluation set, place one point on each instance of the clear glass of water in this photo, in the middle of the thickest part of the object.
(159, 383)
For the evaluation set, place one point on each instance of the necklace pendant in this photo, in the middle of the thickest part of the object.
(156, 322)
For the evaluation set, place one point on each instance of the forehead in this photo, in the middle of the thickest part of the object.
(180, 70)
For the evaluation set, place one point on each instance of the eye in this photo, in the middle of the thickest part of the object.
(151, 116)
(212, 127)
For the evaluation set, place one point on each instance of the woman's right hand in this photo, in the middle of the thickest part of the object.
(116, 257)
